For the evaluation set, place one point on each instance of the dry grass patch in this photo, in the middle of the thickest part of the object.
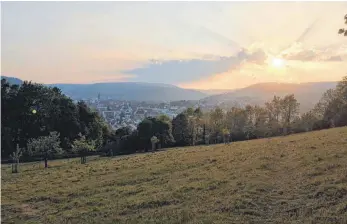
(300, 178)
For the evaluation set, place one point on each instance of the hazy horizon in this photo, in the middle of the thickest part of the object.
(196, 45)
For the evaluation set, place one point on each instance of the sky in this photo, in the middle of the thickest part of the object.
(198, 45)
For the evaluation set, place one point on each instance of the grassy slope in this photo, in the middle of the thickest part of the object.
(295, 179)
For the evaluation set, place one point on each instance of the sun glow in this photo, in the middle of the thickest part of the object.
(277, 62)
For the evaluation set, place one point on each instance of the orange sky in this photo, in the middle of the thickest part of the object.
(202, 45)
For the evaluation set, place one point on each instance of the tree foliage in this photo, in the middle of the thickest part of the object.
(343, 31)
(180, 129)
(55, 112)
(45, 146)
(82, 147)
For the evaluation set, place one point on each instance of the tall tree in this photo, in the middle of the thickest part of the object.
(290, 110)
(217, 123)
(180, 129)
(236, 120)
(260, 122)
(145, 131)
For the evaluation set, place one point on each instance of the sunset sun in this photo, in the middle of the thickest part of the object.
(277, 63)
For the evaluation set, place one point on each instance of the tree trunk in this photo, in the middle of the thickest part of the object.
(83, 158)
(285, 130)
(46, 162)
(15, 167)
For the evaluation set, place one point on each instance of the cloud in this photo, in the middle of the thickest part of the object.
(258, 56)
(304, 55)
(334, 58)
(180, 71)
(297, 52)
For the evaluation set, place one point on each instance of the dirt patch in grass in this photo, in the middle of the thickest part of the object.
(28, 210)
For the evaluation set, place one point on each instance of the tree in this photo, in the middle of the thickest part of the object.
(226, 135)
(199, 126)
(236, 119)
(82, 147)
(154, 141)
(15, 159)
(180, 129)
(145, 132)
(217, 116)
(217, 123)
(290, 110)
(341, 89)
(164, 118)
(92, 125)
(190, 111)
(274, 109)
(305, 123)
(9, 123)
(45, 146)
(260, 122)
(331, 109)
(342, 30)
(192, 132)
(162, 128)
(248, 131)
(250, 125)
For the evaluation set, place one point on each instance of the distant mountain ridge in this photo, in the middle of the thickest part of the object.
(12, 80)
(136, 91)
(307, 94)
(130, 91)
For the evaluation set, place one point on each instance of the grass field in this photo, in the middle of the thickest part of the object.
(294, 179)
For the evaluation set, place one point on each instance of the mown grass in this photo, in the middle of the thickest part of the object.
(294, 179)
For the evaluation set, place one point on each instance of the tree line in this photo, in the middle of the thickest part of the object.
(280, 116)
(41, 122)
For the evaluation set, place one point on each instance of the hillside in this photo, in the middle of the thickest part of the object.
(300, 178)
(125, 91)
(12, 80)
(130, 91)
(307, 94)
(214, 91)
